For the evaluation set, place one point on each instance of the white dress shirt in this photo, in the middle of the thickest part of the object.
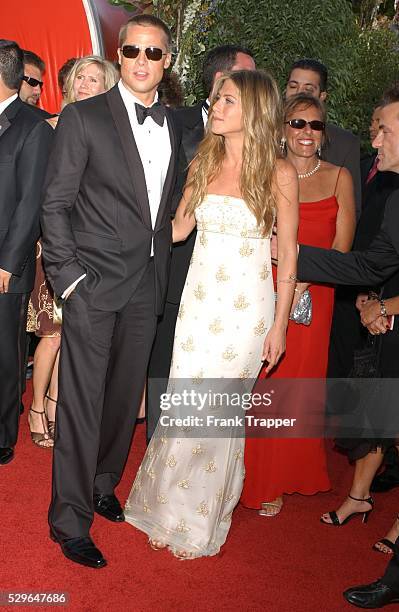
(7, 102)
(204, 112)
(153, 144)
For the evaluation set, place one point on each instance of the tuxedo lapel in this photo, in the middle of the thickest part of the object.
(171, 168)
(6, 118)
(136, 170)
(4, 124)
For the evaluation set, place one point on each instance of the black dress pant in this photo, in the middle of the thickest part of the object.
(13, 314)
(103, 364)
(159, 366)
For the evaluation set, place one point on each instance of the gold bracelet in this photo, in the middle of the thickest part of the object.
(291, 279)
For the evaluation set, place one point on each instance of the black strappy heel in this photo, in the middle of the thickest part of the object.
(387, 543)
(51, 424)
(335, 520)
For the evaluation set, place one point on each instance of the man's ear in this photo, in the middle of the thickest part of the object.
(323, 96)
(119, 56)
(168, 59)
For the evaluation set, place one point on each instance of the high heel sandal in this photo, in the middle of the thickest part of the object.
(335, 520)
(183, 555)
(51, 424)
(272, 508)
(43, 440)
(387, 543)
(156, 544)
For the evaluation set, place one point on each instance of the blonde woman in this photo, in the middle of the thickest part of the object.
(187, 487)
(89, 76)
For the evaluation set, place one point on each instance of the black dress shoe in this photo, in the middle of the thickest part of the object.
(6, 455)
(371, 596)
(109, 507)
(387, 480)
(81, 550)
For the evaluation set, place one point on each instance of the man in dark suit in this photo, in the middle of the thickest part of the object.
(342, 147)
(371, 267)
(24, 147)
(346, 331)
(106, 243)
(193, 120)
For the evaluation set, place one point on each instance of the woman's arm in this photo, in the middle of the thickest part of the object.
(346, 216)
(286, 184)
(183, 224)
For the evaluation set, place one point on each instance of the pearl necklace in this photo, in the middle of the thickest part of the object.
(307, 174)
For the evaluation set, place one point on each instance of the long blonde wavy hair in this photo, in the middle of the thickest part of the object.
(262, 126)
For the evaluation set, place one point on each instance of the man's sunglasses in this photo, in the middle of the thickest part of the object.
(32, 82)
(152, 53)
(299, 124)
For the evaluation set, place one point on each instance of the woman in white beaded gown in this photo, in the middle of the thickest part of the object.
(187, 487)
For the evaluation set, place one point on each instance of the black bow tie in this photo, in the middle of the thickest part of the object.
(156, 111)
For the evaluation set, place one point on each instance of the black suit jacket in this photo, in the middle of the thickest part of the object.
(25, 141)
(371, 267)
(343, 149)
(192, 126)
(96, 216)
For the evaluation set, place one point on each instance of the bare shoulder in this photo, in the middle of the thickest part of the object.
(285, 173)
(335, 170)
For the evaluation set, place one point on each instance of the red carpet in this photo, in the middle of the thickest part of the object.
(289, 562)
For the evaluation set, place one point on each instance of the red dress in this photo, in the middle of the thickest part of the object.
(290, 465)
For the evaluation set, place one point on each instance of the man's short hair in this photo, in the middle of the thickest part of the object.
(34, 60)
(11, 64)
(314, 65)
(146, 20)
(221, 59)
(390, 96)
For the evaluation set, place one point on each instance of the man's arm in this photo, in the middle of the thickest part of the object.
(371, 267)
(65, 170)
(24, 228)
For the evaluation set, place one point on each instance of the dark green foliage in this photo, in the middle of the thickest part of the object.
(361, 64)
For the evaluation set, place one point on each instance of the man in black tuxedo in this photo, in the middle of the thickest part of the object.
(342, 147)
(24, 147)
(371, 267)
(106, 243)
(346, 330)
(192, 120)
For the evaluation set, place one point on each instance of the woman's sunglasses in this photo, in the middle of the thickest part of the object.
(152, 53)
(32, 82)
(299, 124)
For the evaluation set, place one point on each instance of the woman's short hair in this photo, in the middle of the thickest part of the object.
(111, 75)
(303, 101)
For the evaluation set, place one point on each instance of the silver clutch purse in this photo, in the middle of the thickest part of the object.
(303, 310)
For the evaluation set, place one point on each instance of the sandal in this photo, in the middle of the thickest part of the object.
(51, 424)
(387, 543)
(156, 544)
(272, 508)
(43, 440)
(183, 555)
(334, 517)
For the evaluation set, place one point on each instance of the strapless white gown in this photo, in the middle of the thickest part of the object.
(187, 488)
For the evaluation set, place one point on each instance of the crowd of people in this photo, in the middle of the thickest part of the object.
(92, 201)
